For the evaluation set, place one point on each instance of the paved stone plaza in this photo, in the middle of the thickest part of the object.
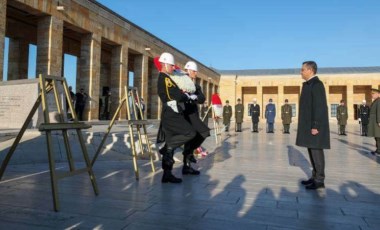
(250, 181)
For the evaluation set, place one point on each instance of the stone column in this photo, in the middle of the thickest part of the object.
(49, 46)
(3, 14)
(207, 91)
(141, 66)
(260, 99)
(89, 78)
(350, 101)
(18, 59)
(154, 100)
(119, 77)
(281, 101)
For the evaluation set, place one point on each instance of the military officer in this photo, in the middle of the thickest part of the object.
(239, 114)
(363, 113)
(286, 116)
(254, 111)
(270, 115)
(342, 116)
(227, 114)
(374, 120)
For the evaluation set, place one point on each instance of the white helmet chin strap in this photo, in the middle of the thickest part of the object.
(166, 68)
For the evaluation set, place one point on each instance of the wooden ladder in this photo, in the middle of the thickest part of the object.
(135, 119)
(48, 84)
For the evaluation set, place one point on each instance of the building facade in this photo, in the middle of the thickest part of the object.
(108, 47)
(350, 84)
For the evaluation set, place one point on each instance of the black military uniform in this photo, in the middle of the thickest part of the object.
(364, 118)
(254, 111)
(174, 129)
(202, 131)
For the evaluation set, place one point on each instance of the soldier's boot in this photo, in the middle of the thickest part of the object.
(187, 169)
(167, 166)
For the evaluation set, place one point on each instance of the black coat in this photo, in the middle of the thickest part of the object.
(174, 128)
(364, 114)
(192, 114)
(254, 111)
(313, 114)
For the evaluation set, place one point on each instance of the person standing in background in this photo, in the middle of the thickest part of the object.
(286, 116)
(363, 112)
(374, 120)
(342, 116)
(227, 114)
(254, 111)
(239, 114)
(270, 115)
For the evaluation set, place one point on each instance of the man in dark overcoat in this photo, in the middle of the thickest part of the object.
(342, 116)
(286, 116)
(227, 114)
(270, 115)
(374, 120)
(363, 113)
(313, 124)
(239, 114)
(254, 111)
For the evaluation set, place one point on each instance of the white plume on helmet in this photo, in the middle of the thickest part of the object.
(190, 65)
(167, 58)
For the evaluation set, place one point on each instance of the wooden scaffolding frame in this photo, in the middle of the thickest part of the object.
(46, 85)
(135, 119)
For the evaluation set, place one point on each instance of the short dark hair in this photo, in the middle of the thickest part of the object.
(312, 65)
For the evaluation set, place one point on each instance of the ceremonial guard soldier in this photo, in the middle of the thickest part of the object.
(239, 114)
(364, 117)
(342, 116)
(270, 115)
(374, 120)
(286, 116)
(227, 114)
(254, 111)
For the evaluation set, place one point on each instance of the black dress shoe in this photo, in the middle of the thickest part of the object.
(307, 182)
(189, 170)
(170, 179)
(315, 185)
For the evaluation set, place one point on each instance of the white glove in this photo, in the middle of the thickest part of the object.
(359, 119)
(193, 97)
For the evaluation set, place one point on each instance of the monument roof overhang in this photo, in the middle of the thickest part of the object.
(296, 71)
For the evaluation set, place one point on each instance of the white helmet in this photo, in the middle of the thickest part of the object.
(191, 66)
(167, 58)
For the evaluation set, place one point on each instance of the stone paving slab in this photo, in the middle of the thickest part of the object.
(250, 181)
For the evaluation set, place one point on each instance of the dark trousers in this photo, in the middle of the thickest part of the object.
(79, 110)
(286, 128)
(317, 160)
(364, 129)
(270, 127)
(255, 127)
(194, 143)
(342, 129)
(377, 139)
(238, 127)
